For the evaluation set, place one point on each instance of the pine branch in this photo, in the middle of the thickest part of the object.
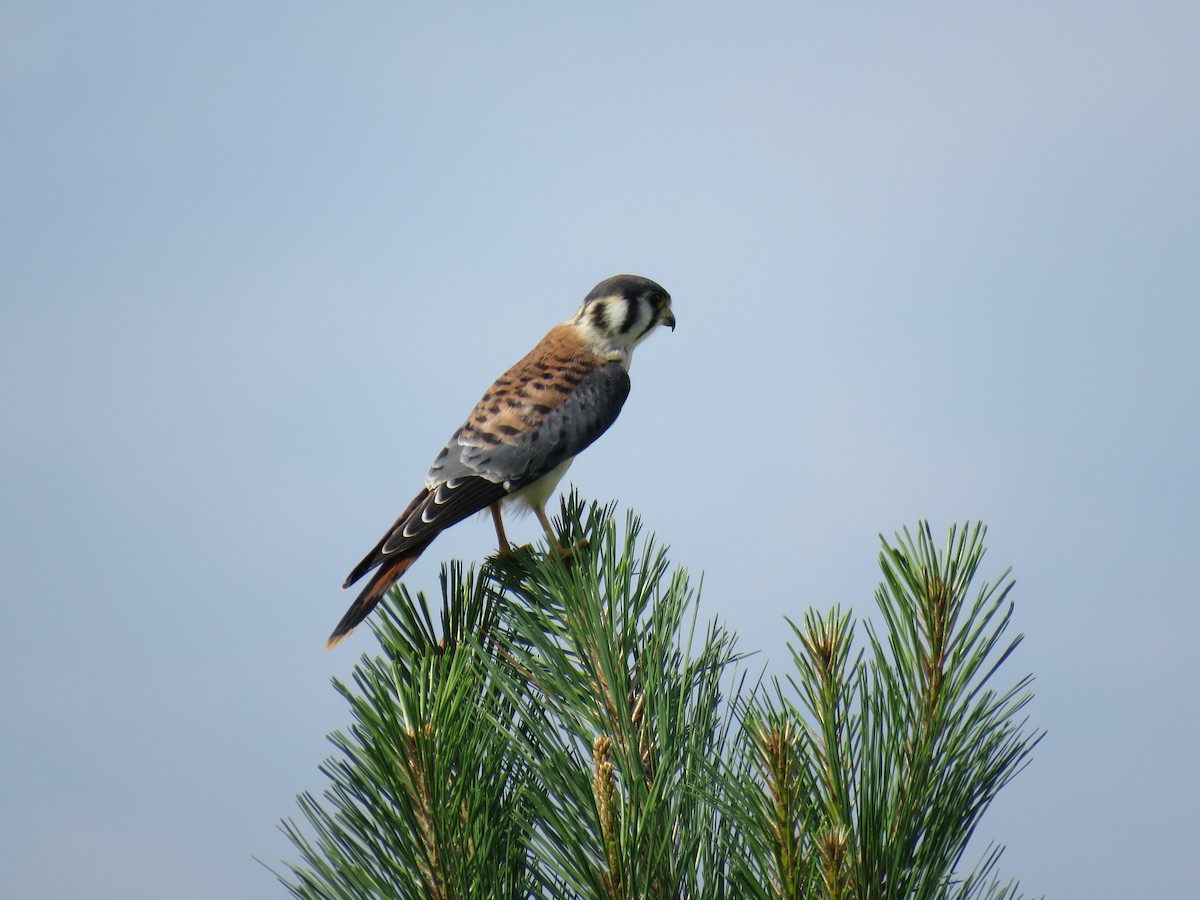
(568, 728)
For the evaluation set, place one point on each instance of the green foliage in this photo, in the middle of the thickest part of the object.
(428, 798)
(569, 729)
(873, 783)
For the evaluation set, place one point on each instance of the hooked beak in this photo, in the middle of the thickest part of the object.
(667, 318)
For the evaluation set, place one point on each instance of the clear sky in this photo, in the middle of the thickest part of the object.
(258, 260)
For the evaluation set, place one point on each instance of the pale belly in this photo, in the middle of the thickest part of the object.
(534, 496)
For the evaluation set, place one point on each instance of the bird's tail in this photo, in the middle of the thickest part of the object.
(387, 575)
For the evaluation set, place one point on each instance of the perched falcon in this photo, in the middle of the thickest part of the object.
(524, 432)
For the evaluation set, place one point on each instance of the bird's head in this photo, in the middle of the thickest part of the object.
(619, 312)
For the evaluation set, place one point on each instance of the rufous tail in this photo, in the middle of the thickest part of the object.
(387, 575)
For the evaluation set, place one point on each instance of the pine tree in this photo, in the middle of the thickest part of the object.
(569, 728)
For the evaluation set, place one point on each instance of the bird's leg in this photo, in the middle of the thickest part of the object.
(564, 552)
(501, 537)
(541, 517)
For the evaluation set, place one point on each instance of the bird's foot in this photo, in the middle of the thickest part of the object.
(566, 554)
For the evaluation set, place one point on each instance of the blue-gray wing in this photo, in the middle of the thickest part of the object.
(521, 430)
(536, 416)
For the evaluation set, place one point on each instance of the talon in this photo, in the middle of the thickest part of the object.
(566, 553)
(510, 549)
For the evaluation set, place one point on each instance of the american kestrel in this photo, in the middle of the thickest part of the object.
(524, 432)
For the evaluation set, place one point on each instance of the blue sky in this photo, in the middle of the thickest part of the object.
(259, 260)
